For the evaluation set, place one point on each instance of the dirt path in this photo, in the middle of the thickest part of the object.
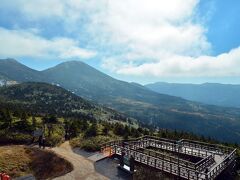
(83, 168)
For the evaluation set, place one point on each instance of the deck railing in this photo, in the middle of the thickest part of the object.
(137, 148)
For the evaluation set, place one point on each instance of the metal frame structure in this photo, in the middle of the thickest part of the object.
(214, 159)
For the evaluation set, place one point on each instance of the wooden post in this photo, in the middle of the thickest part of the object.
(121, 159)
(132, 165)
(179, 169)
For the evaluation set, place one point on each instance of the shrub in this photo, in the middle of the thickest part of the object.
(14, 138)
(54, 139)
(92, 143)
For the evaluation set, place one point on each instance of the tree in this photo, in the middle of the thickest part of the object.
(23, 124)
(49, 121)
(34, 123)
(6, 119)
(118, 129)
(135, 132)
(91, 131)
(105, 130)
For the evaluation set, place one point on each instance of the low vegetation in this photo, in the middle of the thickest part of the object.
(86, 126)
(91, 143)
(20, 160)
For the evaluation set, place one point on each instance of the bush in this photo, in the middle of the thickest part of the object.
(91, 131)
(92, 143)
(14, 138)
(54, 139)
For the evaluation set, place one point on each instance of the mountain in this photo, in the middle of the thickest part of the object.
(13, 70)
(208, 93)
(43, 99)
(139, 102)
(88, 82)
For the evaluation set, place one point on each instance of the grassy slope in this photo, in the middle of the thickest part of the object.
(19, 161)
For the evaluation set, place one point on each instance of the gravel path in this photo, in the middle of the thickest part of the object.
(83, 168)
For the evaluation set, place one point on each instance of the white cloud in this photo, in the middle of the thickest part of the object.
(42, 8)
(77, 52)
(153, 38)
(152, 27)
(223, 65)
(149, 28)
(35, 9)
(24, 43)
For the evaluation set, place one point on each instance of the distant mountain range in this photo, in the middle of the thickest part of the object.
(134, 100)
(208, 93)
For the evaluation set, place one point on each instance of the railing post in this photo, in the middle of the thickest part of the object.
(179, 169)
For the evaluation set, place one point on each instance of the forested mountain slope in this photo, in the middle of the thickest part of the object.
(137, 101)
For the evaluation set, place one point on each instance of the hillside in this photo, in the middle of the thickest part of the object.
(89, 82)
(32, 161)
(13, 70)
(148, 107)
(42, 98)
(209, 93)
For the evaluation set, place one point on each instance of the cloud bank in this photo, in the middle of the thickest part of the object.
(153, 38)
(25, 43)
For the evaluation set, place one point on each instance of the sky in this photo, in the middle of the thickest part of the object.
(184, 41)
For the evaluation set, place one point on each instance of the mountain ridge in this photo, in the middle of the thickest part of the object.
(151, 108)
(208, 93)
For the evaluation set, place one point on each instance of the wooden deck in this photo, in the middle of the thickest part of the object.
(214, 158)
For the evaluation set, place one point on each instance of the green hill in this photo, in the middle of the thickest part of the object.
(46, 99)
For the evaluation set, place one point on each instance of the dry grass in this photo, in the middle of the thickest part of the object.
(19, 160)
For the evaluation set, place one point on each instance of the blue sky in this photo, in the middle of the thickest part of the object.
(144, 41)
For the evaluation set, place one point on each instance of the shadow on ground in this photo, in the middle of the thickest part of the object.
(108, 167)
(83, 153)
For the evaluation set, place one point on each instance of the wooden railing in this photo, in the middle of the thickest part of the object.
(145, 142)
(167, 166)
(217, 149)
(218, 169)
(173, 165)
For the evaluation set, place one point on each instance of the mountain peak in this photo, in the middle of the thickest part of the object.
(73, 62)
(71, 65)
(14, 70)
(9, 60)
